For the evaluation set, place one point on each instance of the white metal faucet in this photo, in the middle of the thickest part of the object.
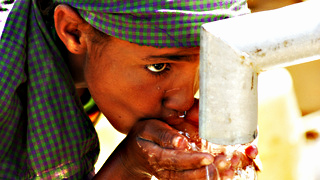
(235, 50)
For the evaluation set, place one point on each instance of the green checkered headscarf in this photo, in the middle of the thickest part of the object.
(44, 131)
(159, 23)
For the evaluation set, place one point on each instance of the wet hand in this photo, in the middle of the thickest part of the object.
(226, 163)
(227, 159)
(155, 148)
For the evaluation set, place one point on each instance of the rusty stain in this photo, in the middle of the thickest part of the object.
(252, 81)
(260, 53)
(243, 58)
(258, 50)
(251, 64)
(312, 135)
(287, 43)
(276, 47)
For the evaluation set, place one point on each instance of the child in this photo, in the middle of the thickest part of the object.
(139, 61)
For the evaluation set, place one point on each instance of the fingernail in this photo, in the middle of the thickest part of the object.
(206, 161)
(251, 151)
(177, 141)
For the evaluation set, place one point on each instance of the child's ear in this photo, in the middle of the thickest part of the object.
(71, 29)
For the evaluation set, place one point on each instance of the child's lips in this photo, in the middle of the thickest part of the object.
(173, 117)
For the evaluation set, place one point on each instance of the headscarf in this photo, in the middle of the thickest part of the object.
(44, 130)
(158, 23)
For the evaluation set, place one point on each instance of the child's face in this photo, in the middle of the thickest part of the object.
(131, 82)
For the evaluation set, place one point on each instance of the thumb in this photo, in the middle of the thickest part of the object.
(162, 134)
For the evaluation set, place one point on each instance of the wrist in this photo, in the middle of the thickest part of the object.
(118, 167)
(131, 172)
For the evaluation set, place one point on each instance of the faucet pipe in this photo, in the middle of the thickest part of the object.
(232, 54)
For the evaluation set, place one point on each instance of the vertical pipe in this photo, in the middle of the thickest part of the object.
(234, 51)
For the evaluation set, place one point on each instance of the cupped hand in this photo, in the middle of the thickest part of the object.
(167, 151)
(241, 157)
(154, 148)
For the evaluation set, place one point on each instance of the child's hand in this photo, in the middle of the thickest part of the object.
(155, 148)
(158, 148)
(226, 164)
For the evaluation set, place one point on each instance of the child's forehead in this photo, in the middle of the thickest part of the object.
(157, 23)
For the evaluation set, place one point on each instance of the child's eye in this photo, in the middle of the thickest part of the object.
(156, 68)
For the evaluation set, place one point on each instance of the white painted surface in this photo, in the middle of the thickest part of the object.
(235, 50)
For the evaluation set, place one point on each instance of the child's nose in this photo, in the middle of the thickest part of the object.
(180, 99)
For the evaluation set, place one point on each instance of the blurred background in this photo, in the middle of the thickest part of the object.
(289, 116)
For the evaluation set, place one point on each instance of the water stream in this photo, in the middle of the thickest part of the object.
(230, 161)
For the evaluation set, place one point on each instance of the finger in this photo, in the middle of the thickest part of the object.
(251, 151)
(227, 174)
(189, 130)
(236, 159)
(172, 159)
(163, 135)
(205, 173)
(221, 162)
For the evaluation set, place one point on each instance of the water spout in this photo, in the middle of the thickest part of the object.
(235, 50)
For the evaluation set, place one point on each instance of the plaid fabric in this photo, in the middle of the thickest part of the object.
(45, 133)
(159, 23)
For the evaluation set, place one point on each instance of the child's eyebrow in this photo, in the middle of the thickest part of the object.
(173, 57)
